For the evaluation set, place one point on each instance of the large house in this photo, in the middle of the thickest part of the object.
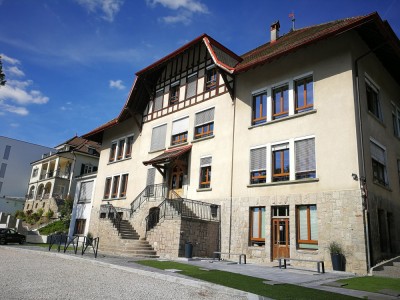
(274, 153)
(52, 177)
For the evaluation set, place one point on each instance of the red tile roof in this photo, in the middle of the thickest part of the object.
(168, 155)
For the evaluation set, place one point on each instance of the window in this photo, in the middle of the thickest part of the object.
(259, 109)
(87, 168)
(107, 188)
(396, 120)
(179, 131)
(116, 186)
(205, 172)
(7, 152)
(1, 185)
(191, 86)
(92, 151)
(121, 145)
(113, 150)
(158, 138)
(257, 226)
(211, 79)
(280, 99)
(174, 93)
(79, 226)
(204, 123)
(151, 176)
(378, 157)
(307, 227)
(304, 94)
(3, 170)
(128, 148)
(258, 165)
(35, 172)
(280, 168)
(124, 185)
(85, 192)
(305, 158)
(158, 102)
(373, 102)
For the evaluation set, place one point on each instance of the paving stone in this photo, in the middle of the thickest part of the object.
(335, 284)
(390, 292)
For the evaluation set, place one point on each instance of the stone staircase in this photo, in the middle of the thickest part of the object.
(126, 243)
(388, 269)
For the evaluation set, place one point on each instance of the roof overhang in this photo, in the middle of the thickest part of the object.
(168, 156)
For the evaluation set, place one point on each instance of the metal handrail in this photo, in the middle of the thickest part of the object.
(183, 208)
(152, 192)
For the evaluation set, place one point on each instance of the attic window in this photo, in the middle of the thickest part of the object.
(92, 151)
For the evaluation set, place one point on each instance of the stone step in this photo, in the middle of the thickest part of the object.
(396, 263)
(386, 274)
(392, 269)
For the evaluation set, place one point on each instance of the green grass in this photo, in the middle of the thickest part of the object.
(56, 226)
(372, 283)
(245, 283)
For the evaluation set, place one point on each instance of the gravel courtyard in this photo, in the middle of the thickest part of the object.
(27, 274)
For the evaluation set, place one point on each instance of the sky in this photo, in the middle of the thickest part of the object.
(70, 64)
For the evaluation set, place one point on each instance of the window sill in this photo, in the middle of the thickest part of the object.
(313, 111)
(113, 199)
(204, 190)
(155, 151)
(178, 145)
(116, 161)
(307, 251)
(382, 186)
(380, 121)
(283, 182)
(203, 139)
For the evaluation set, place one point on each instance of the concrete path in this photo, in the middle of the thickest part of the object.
(195, 288)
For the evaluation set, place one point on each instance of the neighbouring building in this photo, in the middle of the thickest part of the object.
(80, 218)
(274, 153)
(52, 177)
(15, 169)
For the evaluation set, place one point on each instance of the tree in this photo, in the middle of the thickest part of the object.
(2, 76)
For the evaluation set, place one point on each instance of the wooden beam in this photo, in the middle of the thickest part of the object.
(231, 89)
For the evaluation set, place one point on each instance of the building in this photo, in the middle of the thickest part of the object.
(80, 218)
(15, 169)
(52, 178)
(281, 151)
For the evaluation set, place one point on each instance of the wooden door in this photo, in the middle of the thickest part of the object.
(280, 238)
(178, 170)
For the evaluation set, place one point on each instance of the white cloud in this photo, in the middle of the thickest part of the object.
(17, 94)
(185, 10)
(109, 8)
(14, 125)
(9, 60)
(19, 110)
(190, 5)
(14, 70)
(116, 84)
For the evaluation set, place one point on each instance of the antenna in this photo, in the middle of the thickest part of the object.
(291, 15)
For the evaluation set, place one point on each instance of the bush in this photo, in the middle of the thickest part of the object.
(55, 227)
(49, 214)
(19, 214)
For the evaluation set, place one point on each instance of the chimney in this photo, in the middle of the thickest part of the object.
(275, 31)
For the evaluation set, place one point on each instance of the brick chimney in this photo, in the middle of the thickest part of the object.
(275, 31)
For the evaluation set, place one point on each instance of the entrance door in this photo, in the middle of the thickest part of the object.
(280, 238)
(178, 170)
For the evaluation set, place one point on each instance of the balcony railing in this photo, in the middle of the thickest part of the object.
(52, 174)
(150, 193)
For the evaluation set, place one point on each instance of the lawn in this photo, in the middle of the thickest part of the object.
(245, 283)
(372, 283)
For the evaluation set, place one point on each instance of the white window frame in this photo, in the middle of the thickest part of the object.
(117, 148)
(119, 186)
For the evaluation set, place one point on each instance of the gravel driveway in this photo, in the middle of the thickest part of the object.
(27, 274)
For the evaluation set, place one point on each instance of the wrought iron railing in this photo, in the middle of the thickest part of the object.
(154, 192)
(183, 208)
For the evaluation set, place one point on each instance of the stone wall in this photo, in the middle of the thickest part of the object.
(169, 237)
(340, 219)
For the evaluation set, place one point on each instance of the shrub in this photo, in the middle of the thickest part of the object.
(55, 227)
(19, 214)
(49, 214)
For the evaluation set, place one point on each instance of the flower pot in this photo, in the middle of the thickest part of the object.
(338, 262)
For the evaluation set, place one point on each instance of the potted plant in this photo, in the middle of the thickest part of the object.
(89, 238)
(337, 256)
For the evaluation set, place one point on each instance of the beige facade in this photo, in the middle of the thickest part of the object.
(289, 175)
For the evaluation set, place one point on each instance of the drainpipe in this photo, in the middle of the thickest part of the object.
(232, 156)
(363, 180)
(71, 174)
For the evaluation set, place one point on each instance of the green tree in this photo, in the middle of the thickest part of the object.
(2, 76)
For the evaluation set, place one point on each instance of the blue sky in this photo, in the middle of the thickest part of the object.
(70, 63)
